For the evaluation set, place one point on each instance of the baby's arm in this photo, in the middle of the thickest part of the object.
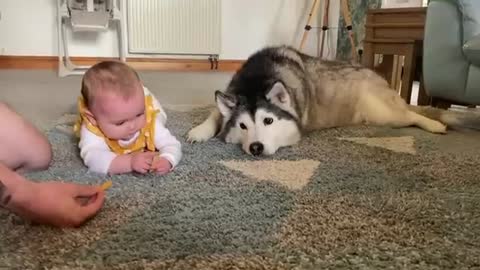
(169, 147)
(121, 164)
(98, 157)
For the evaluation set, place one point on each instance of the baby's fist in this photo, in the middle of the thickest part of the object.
(142, 161)
(161, 166)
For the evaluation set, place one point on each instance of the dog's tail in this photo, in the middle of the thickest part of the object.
(451, 118)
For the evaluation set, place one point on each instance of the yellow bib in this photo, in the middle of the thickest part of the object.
(144, 140)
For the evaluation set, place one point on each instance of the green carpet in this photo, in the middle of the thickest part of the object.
(346, 198)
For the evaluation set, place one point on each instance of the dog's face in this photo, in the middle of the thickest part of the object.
(263, 127)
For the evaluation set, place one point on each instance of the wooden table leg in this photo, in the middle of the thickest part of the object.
(385, 69)
(408, 71)
(423, 98)
(368, 57)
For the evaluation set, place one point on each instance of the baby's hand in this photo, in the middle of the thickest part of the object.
(141, 162)
(161, 166)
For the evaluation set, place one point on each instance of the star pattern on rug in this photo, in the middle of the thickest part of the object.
(402, 144)
(291, 174)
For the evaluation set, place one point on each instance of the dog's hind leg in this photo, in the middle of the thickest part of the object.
(207, 129)
(395, 113)
(405, 118)
(427, 124)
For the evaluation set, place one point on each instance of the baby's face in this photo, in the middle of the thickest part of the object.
(118, 117)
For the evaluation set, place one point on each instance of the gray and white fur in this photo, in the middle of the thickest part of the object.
(281, 93)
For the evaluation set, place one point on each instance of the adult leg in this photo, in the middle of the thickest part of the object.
(22, 146)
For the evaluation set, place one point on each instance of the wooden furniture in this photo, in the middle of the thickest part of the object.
(405, 47)
(393, 32)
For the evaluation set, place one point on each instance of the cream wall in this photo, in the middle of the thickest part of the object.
(28, 27)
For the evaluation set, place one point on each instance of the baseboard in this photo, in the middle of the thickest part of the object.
(156, 64)
(187, 107)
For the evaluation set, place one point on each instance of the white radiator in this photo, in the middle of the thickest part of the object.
(174, 26)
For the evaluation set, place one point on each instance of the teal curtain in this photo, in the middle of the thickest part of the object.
(358, 11)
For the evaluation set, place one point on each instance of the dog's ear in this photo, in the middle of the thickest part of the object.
(278, 95)
(225, 103)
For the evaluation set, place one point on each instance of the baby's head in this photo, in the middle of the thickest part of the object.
(113, 95)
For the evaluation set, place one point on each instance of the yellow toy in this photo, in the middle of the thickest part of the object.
(83, 200)
(106, 185)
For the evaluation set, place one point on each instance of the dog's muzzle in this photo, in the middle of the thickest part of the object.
(256, 148)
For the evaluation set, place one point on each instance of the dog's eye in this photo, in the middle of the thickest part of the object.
(242, 126)
(267, 121)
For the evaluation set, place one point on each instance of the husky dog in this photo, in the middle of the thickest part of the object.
(281, 93)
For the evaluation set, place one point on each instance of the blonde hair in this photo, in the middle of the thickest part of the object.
(113, 76)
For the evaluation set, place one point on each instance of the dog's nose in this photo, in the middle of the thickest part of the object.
(256, 148)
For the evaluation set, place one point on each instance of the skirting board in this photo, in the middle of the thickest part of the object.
(156, 64)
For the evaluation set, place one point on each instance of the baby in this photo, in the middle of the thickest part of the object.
(122, 125)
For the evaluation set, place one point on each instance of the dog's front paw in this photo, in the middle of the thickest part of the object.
(439, 128)
(201, 133)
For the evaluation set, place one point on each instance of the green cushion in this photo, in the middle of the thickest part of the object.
(444, 64)
(451, 56)
(472, 50)
(470, 10)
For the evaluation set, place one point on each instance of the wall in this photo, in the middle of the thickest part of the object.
(247, 25)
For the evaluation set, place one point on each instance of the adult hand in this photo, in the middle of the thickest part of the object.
(56, 203)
